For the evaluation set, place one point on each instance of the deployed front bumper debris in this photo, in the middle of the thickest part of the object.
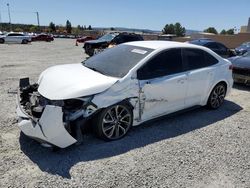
(50, 122)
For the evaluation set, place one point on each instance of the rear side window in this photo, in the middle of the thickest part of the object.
(15, 34)
(196, 58)
(210, 60)
(163, 64)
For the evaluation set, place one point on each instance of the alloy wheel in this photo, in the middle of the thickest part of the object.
(217, 96)
(116, 122)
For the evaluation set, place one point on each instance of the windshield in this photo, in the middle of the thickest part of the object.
(107, 37)
(117, 61)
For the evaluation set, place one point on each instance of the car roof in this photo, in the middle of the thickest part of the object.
(162, 44)
(201, 42)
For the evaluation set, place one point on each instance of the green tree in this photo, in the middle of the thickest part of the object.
(223, 32)
(175, 29)
(89, 28)
(179, 30)
(18, 29)
(52, 27)
(33, 28)
(211, 30)
(169, 29)
(112, 29)
(68, 26)
(230, 32)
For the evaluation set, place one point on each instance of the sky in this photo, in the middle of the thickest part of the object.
(141, 14)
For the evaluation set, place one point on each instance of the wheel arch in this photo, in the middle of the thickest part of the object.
(213, 86)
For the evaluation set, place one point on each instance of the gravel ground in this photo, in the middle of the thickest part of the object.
(199, 148)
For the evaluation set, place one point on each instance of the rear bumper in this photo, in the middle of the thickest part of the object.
(238, 78)
(48, 129)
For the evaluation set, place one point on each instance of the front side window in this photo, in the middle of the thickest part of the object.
(163, 64)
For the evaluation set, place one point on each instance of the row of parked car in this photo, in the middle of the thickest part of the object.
(22, 38)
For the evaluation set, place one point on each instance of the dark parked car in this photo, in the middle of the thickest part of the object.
(241, 68)
(84, 39)
(111, 39)
(243, 48)
(43, 37)
(217, 47)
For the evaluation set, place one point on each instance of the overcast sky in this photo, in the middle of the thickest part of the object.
(142, 14)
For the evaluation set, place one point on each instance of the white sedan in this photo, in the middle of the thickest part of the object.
(15, 38)
(121, 87)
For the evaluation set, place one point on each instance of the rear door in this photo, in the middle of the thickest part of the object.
(162, 84)
(200, 70)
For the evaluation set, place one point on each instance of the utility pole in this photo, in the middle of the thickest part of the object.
(37, 17)
(8, 5)
(0, 20)
(38, 22)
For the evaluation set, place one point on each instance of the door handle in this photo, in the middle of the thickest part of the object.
(181, 81)
(147, 82)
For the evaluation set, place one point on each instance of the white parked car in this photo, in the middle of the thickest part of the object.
(15, 38)
(121, 87)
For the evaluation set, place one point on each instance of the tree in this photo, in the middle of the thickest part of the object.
(18, 29)
(89, 28)
(68, 26)
(211, 30)
(33, 28)
(168, 29)
(175, 29)
(112, 29)
(230, 32)
(52, 27)
(179, 30)
(223, 32)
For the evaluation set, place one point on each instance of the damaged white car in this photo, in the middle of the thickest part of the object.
(119, 88)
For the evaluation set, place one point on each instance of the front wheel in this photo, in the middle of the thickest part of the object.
(217, 96)
(1, 41)
(114, 122)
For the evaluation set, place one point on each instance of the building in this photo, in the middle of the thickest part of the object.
(245, 28)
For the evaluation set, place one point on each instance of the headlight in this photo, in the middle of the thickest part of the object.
(77, 103)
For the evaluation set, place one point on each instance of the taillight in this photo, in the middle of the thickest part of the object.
(231, 67)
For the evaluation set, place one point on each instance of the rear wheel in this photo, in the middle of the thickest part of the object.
(1, 41)
(114, 122)
(217, 96)
(25, 41)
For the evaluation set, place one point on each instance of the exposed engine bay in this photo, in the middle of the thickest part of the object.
(75, 112)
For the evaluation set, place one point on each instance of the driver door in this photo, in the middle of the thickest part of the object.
(162, 85)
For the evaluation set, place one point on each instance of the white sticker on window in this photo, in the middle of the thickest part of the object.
(139, 51)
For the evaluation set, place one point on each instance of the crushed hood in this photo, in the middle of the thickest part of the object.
(72, 80)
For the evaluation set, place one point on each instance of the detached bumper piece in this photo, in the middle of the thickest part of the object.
(49, 128)
(44, 120)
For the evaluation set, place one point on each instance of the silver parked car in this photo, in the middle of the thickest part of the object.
(18, 38)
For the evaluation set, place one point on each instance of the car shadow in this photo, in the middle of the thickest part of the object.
(61, 161)
(242, 87)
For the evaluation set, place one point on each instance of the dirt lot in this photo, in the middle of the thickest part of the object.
(200, 148)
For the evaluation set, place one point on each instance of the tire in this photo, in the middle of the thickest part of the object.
(114, 122)
(25, 41)
(217, 96)
(1, 41)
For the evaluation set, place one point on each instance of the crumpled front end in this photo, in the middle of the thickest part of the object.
(55, 122)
